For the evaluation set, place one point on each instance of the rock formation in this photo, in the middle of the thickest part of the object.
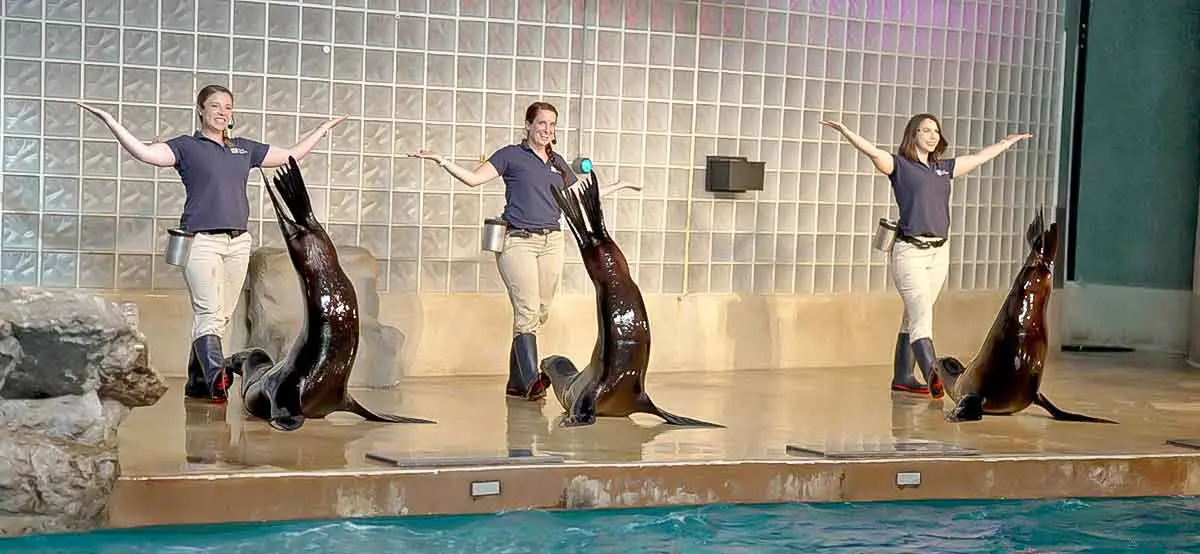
(71, 368)
(275, 310)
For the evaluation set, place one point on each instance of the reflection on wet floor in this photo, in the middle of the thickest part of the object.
(1154, 398)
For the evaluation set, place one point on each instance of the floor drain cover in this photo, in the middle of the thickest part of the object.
(882, 449)
(410, 461)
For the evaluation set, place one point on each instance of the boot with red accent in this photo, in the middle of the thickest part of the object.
(195, 387)
(524, 379)
(210, 380)
(923, 348)
(903, 379)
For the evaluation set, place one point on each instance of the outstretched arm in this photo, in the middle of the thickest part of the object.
(967, 163)
(881, 158)
(156, 153)
(278, 155)
(482, 174)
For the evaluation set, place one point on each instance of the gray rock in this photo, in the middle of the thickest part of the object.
(72, 343)
(71, 368)
(10, 351)
(78, 419)
(275, 312)
(58, 463)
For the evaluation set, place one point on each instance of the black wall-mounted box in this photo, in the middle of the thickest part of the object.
(732, 174)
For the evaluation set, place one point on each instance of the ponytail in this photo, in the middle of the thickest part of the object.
(559, 165)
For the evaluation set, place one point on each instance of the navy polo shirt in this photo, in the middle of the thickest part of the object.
(529, 203)
(214, 176)
(923, 193)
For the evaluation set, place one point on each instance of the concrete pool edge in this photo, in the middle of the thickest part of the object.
(240, 496)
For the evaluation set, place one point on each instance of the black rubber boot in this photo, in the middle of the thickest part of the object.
(905, 360)
(217, 380)
(923, 348)
(195, 387)
(524, 379)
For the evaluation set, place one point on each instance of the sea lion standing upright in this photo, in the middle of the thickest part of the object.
(614, 383)
(311, 381)
(1005, 375)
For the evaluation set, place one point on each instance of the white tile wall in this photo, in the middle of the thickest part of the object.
(645, 88)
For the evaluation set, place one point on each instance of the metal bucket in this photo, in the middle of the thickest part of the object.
(179, 244)
(494, 230)
(885, 235)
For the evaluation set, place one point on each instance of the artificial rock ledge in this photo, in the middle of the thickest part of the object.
(71, 369)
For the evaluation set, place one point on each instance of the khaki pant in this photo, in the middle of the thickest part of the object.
(214, 273)
(919, 274)
(531, 268)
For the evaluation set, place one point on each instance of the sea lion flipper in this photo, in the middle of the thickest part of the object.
(1063, 415)
(293, 193)
(969, 408)
(589, 199)
(682, 421)
(672, 419)
(581, 412)
(286, 422)
(583, 212)
(354, 407)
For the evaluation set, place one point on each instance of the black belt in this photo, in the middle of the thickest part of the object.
(922, 244)
(233, 233)
(522, 232)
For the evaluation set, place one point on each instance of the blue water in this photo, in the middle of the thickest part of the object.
(1110, 525)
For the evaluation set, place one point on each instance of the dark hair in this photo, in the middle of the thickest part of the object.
(210, 90)
(531, 114)
(908, 143)
(203, 95)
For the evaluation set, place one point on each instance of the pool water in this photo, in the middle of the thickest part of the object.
(1156, 525)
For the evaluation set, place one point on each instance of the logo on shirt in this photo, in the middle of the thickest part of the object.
(554, 169)
(238, 150)
(941, 172)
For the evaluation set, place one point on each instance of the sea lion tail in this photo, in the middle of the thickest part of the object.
(1063, 415)
(354, 407)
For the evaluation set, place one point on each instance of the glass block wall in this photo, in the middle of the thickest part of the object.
(645, 88)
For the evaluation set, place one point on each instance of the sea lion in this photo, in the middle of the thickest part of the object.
(614, 383)
(1004, 377)
(310, 382)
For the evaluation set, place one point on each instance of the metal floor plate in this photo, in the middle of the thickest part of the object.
(1185, 443)
(516, 458)
(887, 448)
